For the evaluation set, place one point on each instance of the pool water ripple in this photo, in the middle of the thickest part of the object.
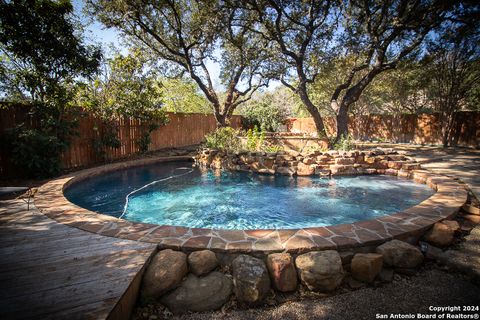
(238, 200)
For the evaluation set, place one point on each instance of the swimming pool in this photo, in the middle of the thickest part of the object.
(176, 193)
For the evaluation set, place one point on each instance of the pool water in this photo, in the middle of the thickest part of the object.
(177, 194)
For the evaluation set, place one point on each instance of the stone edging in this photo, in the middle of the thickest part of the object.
(407, 225)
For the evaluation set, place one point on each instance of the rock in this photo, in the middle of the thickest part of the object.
(366, 266)
(308, 160)
(304, 169)
(452, 224)
(320, 270)
(250, 278)
(164, 273)
(285, 171)
(400, 254)
(199, 294)
(472, 218)
(346, 257)
(344, 160)
(282, 271)
(386, 275)
(440, 235)
(202, 262)
(471, 209)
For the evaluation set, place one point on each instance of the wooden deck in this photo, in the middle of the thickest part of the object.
(52, 271)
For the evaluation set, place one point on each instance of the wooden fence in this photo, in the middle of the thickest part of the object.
(190, 129)
(404, 128)
(181, 130)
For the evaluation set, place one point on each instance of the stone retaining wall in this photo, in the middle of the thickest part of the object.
(331, 163)
(200, 281)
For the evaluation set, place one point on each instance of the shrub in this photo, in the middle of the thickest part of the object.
(345, 143)
(255, 139)
(225, 139)
(35, 153)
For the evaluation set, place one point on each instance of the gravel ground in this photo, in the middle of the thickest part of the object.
(407, 295)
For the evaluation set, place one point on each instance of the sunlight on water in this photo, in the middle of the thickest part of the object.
(244, 201)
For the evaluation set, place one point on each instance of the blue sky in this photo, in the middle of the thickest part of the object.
(107, 37)
(97, 33)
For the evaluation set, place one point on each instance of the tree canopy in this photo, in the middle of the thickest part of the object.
(187, 34)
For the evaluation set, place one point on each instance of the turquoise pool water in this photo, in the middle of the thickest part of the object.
(177, 194)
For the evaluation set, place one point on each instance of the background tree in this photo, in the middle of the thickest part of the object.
(301, 32)
(127, 88)
(41, 56)
(267, 110)
(188, 34)
(381, 34)
(182, 95)
(454, 70)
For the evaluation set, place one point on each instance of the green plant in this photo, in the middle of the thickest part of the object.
(36, 153)
(345, 143)
(315, 148)
(105, 139)
(225, 139)
(255, 139)
(272, 148)
(144, 141)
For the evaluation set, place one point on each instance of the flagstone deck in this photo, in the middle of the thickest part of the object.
(52, 271)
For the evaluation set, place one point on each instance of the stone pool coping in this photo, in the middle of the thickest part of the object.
(408, 225)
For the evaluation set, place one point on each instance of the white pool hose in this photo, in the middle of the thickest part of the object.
(152, 183)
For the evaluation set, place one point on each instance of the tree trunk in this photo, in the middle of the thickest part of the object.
(342, 122)
(317, 118)
(221, 120)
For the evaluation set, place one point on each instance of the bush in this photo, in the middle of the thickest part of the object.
(264, 115)
(35, 153)
(345, 143)
(225, 139)
(255, 139)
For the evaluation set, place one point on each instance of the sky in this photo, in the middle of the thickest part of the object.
(108, 37)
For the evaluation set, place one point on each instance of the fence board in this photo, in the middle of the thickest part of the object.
(404, 128)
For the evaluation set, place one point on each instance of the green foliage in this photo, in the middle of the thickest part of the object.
(315, 148)
(267, 111)
(41, 56)
(105, 138)
(145, 140)
(36, 153)
(225, 139)
(127, 89)
(255, 139)
(186, 35)
(272, 148)
(181, 95)
(345, 143)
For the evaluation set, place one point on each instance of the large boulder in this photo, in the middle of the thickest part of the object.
(164, 273)
(321, 270)
(440, 235)
(202, 262)
(282, 271)
(199, 293)
(250, 279)
(400, 254)
(305, 169)
(366, 266)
